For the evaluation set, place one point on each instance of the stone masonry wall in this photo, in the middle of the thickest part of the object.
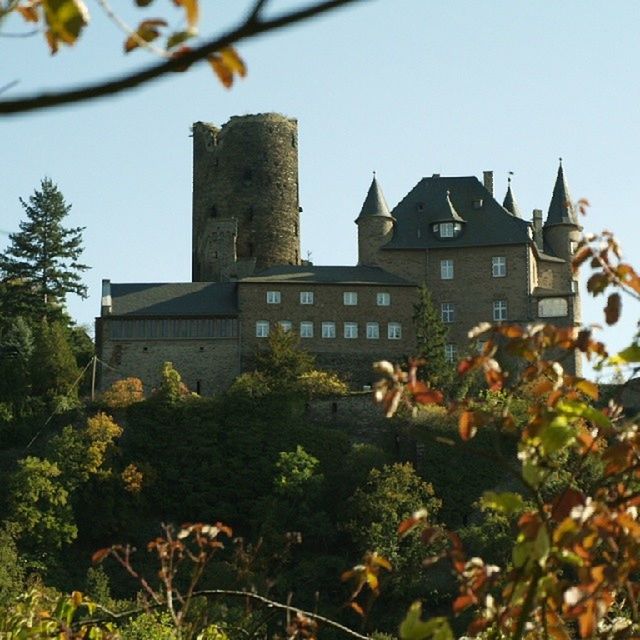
(351, 356)
(215, 363)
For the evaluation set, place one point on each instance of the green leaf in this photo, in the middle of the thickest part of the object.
(413, 628)
(557, 434)
(532, 473)
(506, 502)
(583, 410)
(178, 37)
(65, 20)
(630, 354)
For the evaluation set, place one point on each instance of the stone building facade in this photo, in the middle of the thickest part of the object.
(480, 259)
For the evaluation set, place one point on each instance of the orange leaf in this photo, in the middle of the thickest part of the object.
(463, 602)
(100, 555)
(563, 504)
(192, 11)
(423, 394)
(356, 607)
(588, 388)
(467, 425)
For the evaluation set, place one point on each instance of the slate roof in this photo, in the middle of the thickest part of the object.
(375, 203)
(510, 203)
(326, 275)
(485, 225)
(174, 299)
(561, 209)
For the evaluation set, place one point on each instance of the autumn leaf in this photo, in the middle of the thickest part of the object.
(100, 555)
(65, 20)
(612, 310)
(424, 394)
(588, 388)
(357, 608)
(467, 425)
(192, 12)
(147, 31)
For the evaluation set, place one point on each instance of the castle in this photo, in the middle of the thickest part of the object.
(480, 259)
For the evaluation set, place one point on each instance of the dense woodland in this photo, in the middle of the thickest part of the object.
(500, 499)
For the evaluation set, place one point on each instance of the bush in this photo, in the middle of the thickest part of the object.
(123, 393)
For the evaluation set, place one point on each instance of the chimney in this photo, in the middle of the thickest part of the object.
(106, 306)
(487, 178)
(537, 228)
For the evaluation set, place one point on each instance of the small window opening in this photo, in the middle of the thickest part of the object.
(198, 387)
(214, 211)
(145, 348)
(251, 249)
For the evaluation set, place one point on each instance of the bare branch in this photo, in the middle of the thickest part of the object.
(248, 28)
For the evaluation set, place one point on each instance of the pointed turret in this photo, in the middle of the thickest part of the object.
(510, 203)
(561, 209)
(375, 203)
(442, 210)
(375, 224)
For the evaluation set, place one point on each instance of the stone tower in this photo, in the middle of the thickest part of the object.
(245, 196)
(375, 225)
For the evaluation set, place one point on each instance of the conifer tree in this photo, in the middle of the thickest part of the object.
(53, 365)
(431, 338)
(41, 265)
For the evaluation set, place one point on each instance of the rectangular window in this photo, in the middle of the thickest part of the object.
(450, 352)
(499, 310)
(498, 266)
(394, 331)
(446, 269)
(328, 329)
(350, 298)
(373, 331)
(262, 329)
(285, 325)
(273, 297)
(306, 297)
(446, 229)
(383, 299)
(447, 312)
(350, 330)
(306, 329)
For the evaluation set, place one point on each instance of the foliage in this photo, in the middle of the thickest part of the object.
(283, 362)
(16, 348)
(41, 263)
(39, 505)
(431, 340)
(296, 473)
(53, 366)
(317, 384)
(11, 568)
(123, 393)
(171, 389)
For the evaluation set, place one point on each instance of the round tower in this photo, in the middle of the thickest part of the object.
(375, 225)
(245, 196)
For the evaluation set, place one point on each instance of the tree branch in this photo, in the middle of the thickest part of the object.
(233, 593)
(250, 27)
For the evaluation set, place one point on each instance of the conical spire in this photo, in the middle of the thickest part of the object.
(442, 210)
(561, 208)
(374, 203)
(510, 203)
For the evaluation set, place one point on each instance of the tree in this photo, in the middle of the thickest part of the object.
(53, 366)
(431, 338)
(66, 19)
(16, 347)
(41, 265)
(283, 361)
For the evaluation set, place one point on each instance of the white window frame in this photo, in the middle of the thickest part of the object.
(446, 229)
(446, 269)
(499, 267)
(447, 312)
(383, 299)
(306, 297)
(329, 330)
(262, 329)
(394, 331)
(274, 297)
(373, 330)
(350, 330)
(450, 352)
(500, 310)
(286, 325)
(306, 329)
(350, 298)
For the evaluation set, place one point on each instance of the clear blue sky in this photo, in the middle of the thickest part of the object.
(404, 87)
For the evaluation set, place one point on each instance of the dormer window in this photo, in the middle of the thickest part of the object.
(447, 229)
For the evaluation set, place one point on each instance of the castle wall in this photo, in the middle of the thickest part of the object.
(208, 364)
(350, 356)
(246, 171)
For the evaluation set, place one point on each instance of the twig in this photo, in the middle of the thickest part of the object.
(247, 29)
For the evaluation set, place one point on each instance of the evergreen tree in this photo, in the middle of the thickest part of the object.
(431, 336)
(16, 347)
(41, 265)
(53, 365)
